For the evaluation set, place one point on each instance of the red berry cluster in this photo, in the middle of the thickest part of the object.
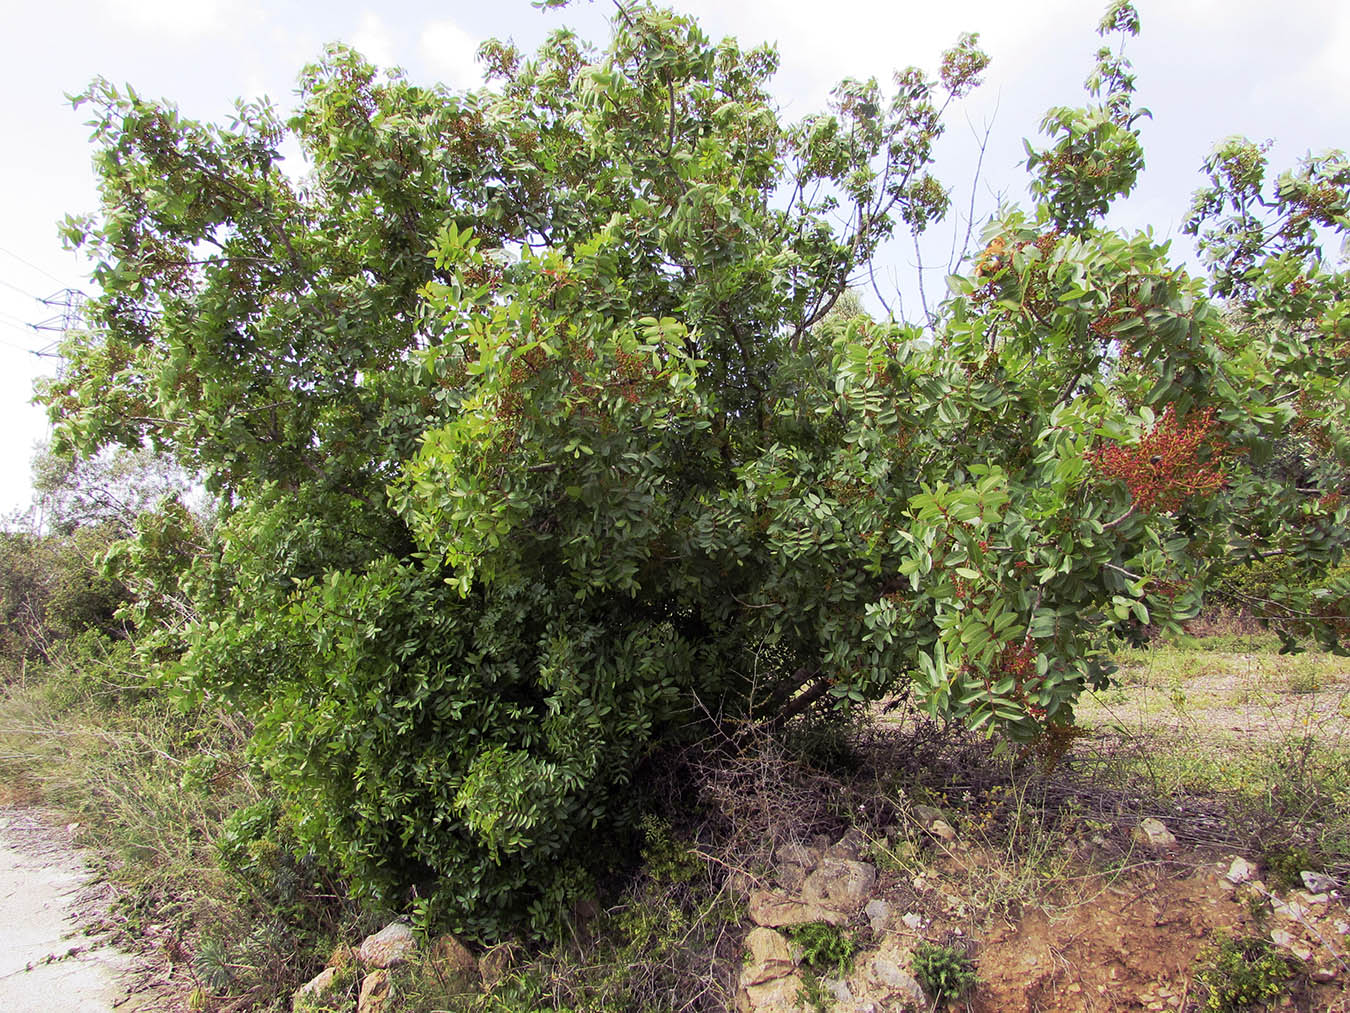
(1170, 464)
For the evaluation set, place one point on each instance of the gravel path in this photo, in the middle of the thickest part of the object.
(47, 964)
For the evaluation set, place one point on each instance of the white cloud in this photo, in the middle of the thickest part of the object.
(1327, 71)
(373, 41)
(179, 19)
(450, 53)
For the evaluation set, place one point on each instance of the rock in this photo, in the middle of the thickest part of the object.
(1153, 833)
(374, 992)
(838, 989)
(316, 990)
(878, 914)
(790, 876)
(927, 815)
(1317, 883)
(493, 965)
(452, 958)
(776, 996)
(1324, 975)
(768, 956)
(887, 972)
(913, 921)
(774, 908)
(942, 830)
(795, 853)
(849, 848)
(392, 945)
(1342, 927)
(1241, 871)
(840, 884)
(1287, 941)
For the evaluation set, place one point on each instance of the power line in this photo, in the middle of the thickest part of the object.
(29, 263)
(35, 298)
(18, 320)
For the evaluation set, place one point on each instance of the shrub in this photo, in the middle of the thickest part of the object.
(1238, 974)
(538, 452)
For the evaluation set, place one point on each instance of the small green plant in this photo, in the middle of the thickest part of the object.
(946, 972)
(1303, 681)
(1236, 974)
(1285, 864)
(826, 948)
(814, 995)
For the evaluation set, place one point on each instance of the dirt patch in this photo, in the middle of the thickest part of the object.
(1134, 946)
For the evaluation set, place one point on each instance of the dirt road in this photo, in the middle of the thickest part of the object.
(47, 964)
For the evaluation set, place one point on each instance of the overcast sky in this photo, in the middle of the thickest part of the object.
(1207, 69)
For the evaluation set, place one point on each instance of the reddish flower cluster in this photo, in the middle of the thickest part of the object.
(1170, 465)
(1018, 660)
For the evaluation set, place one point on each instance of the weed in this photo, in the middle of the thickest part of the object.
(945, 972)
(826, 948)
(814, 995)
(1303, 681)
(1236, 974)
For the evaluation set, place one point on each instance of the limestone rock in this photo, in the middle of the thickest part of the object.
(374, 992)
(913, 921)
(493, 965)
(774, 908)
(878, 914)
(849, 848)
(776, 996)
(315, 990)
(887, 972)
(452, 958)
(1241, 871)
(1324, 975)
(942, 830)
(768, 957)
(795, 853)
(840, 884)
(1153, 833)
(392, 945)
(1316, 882)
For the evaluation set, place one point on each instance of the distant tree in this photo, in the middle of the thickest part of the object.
(537, 446)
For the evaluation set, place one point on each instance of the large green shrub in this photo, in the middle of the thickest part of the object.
(536, 446)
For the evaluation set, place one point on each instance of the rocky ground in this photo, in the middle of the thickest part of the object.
(1123, 939)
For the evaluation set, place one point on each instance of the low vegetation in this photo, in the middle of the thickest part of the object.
(215, 892)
